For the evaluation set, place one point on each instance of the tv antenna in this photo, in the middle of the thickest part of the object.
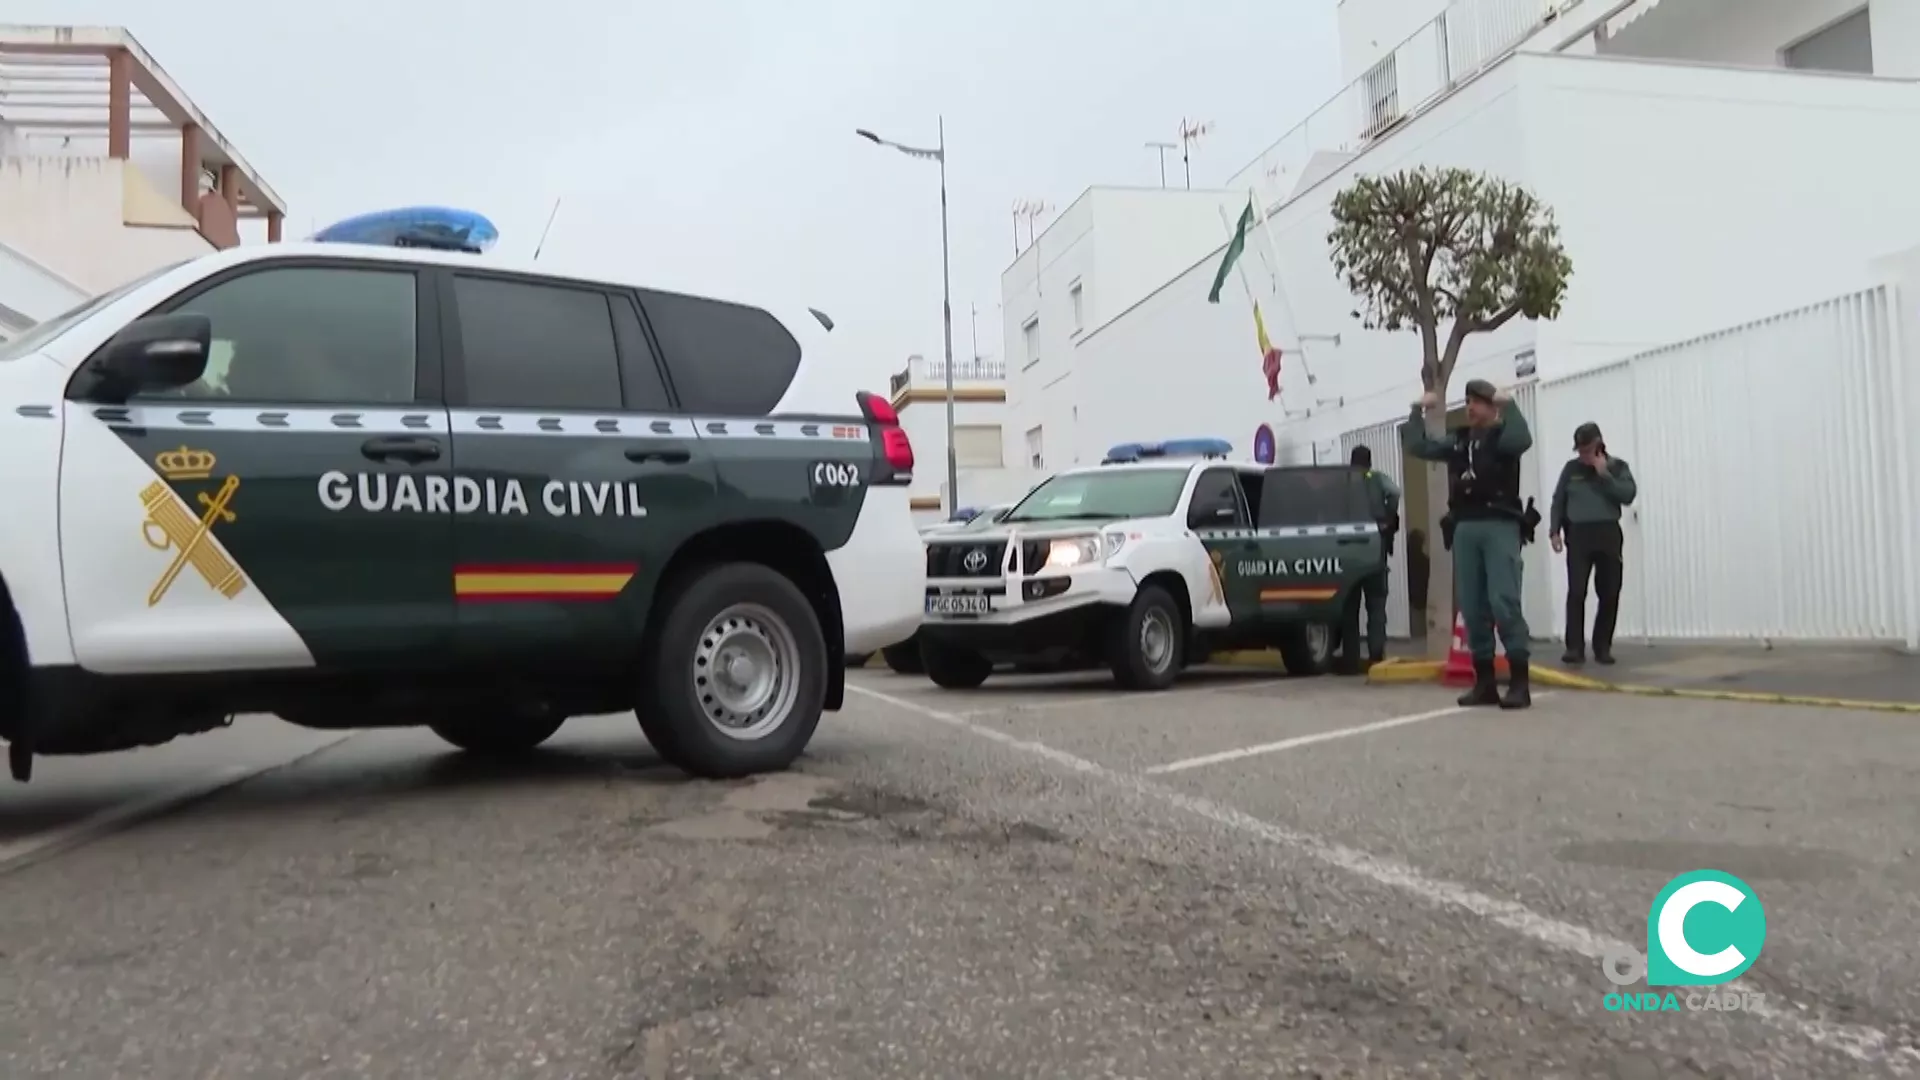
(1190, 133)
(1028, 210)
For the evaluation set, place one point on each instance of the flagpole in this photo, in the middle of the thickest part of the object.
(1279, 289)
(1240, 266)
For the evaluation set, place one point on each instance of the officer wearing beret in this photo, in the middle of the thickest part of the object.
(1483, 498)
(1585, 516)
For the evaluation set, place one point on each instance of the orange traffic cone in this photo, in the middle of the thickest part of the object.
(1459, 669)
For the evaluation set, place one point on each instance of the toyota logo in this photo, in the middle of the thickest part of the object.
(975, 561)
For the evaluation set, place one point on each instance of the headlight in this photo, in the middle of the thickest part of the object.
(1069, 552)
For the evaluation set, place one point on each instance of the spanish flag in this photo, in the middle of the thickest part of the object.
(1269, 354)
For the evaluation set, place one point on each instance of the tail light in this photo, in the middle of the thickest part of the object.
(895, 448)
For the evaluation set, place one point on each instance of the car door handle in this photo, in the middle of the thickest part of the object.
(412, 448)
(641, 455)
(1353, 540)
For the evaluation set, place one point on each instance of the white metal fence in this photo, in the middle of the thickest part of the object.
(1776, 469)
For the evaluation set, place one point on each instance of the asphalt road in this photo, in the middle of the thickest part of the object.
(1011, 882)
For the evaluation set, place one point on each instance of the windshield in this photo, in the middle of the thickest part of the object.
(41, 333)
(1102, 496)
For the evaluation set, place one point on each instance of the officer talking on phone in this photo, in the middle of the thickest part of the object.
(1593, 488)
(1489, 522)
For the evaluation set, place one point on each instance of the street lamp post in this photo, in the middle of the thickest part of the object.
(938, 154)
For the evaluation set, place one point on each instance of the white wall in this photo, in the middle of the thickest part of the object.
(925, 423)
(1178, 366)
(1369, 30)
(93, 220)
(1693, 198)
(1144, 237)
(1753, 33)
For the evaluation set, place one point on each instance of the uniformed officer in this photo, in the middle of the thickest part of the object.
(1585, 517)
(1383, 501)
(1483, 498)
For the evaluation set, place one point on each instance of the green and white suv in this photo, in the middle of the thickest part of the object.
(1149, 563)
(371, 487)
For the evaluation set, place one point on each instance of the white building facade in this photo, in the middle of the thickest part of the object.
(107, 171)
(985, 473)
(1711, 163)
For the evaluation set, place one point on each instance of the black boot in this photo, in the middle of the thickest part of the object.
(1486, 691)
(1519, 689)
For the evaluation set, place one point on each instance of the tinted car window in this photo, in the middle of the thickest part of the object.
(723, 358)
(1327, 495)
(639, 369)
(527, 345)
(1217, 488)
(309, 334)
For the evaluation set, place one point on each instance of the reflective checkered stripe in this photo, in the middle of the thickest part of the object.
(330, 516)
(1290, 532)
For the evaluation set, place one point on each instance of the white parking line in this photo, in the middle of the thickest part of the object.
(1116, 699)
(1858, 1041)
(1298, 741)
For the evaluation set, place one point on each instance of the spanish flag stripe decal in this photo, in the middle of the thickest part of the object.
(1276, 595)
(584, 581)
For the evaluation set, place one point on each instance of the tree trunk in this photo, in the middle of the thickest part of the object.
(1439, 559)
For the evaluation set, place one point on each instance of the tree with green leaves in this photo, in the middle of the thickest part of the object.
(1446, 253)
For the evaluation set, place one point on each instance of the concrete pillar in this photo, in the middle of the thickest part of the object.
(274, 222)
(190, 168)
(120, 105)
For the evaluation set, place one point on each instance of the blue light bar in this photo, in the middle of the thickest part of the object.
(435, 227)
(1171, 448)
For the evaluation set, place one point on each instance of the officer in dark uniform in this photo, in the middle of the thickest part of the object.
(1383, 499)
(1585, 517)
(1483, 499)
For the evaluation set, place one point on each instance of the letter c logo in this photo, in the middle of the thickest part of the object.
(1739, 922)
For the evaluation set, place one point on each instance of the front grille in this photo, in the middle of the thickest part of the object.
(950, 560)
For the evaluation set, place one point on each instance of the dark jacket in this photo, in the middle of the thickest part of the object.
(1585, 496)
(1483, 466)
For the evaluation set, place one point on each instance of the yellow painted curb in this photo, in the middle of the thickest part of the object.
(1553, 677)
(1265, 658)
(1394, 671)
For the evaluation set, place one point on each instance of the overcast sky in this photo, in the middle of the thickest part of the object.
(709, 145)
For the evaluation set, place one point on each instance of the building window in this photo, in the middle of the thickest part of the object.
(1030, 341)
(1381, 87)
(1844, 46)
(1078, 296)
(1035, 459)
(977, 446)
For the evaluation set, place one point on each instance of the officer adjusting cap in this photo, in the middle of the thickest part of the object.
(1482, 389)
(1586, 434)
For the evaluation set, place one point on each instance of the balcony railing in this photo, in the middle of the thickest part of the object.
(935, 372)
(1459, 43)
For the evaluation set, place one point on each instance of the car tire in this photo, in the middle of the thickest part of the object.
(758, 624)
(952, 667)
(1306, 650)
(496, 734)
(1145, 642)
(904, 658)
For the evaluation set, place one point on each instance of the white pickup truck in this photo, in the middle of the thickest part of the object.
(1150, 561)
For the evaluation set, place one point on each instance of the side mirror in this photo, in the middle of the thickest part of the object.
(159, 352)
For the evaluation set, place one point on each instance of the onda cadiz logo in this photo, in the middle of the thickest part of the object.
(1705, 929)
